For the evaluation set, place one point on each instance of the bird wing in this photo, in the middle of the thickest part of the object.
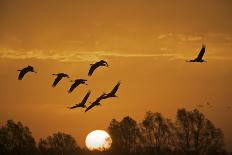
(115, 89)
(74, 85)
(201, 53)
(85, 98)
(58, 78)
(22, 73)
(90, 107)
(75, 106)
(92, 68)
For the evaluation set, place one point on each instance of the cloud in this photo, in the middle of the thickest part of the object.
(190, 38)
(182, 37)
(162, 36)
(66, 56)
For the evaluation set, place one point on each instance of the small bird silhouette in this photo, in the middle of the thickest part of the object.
(96, 65)
(113, 91)
(58, 78)
(200, 56)
(25, 71)
(95, 103)
(76, 83)
(82, 103)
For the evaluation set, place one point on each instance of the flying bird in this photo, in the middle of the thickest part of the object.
(113, 91)
(96, 65)
(58, 78)
(76, 83)
(25, 71)
(200, 56)
(95, 103)
(82, 103)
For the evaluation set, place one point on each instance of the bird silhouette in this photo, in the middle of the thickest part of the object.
(25, 71)
(76, 83)
(113, 91)
(82, 103)
(58, 78)
(199, 58)
(95, 103)
(96, 65)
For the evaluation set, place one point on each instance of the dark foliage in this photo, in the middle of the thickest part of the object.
(190, 134)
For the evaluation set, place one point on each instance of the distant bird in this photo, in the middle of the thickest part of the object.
(82, 103)
(58, 78)
(200, 56)
(96, 65)
(113, 91)
(25, 71)
(95, 103)
(76, 83)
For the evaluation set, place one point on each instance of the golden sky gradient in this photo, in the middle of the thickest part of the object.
(146, 43)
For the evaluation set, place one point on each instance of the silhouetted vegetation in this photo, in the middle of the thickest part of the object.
(191, 133)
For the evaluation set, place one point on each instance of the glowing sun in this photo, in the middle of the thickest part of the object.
(98, 140)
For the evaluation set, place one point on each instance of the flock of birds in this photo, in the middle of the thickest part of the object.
(76, 83)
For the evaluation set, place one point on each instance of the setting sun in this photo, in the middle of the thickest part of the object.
(98, 140)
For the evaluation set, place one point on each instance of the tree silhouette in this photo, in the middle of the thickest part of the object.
(16, 139)
(59, 144)
(197, 134)
(191, 134)
(157, 132)
(125, 134)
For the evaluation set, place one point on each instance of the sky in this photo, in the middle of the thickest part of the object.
(146, 43)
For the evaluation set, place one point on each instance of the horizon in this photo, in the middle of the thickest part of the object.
(146, 44)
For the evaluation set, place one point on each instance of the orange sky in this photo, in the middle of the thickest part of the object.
(146, 43)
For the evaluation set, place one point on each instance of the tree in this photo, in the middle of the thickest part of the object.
(197, 134)
(16, 139)
(125, 134)
(59, 144)
(157, 132)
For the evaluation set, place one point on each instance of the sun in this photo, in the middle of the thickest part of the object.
(98, 140)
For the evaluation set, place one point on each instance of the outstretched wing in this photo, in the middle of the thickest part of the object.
(201, 53)
(74, 85)
(90, 107)
(75, 106)
(85, 98)
(22, 73)
(57, 80)
(92, 69)
(115, 89)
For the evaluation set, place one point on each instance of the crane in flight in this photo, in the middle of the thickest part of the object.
(59, 76)
(96, 65)
(83, 102)
(95, 103)
(113, 91)
(199, 58)
(76, 83)
(24, 71)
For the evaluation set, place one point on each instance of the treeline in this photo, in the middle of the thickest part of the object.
(191, 133)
